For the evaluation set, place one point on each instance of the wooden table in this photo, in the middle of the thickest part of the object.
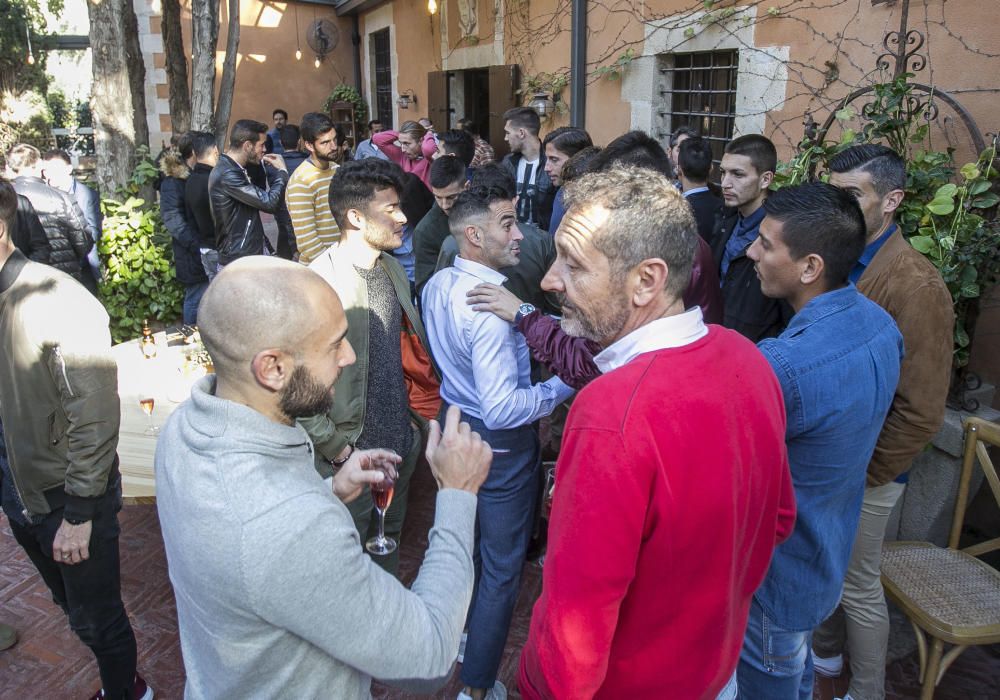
(162, 379)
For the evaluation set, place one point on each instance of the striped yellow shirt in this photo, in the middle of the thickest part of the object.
(307, 197)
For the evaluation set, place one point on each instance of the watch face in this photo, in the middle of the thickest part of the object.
(525, 309)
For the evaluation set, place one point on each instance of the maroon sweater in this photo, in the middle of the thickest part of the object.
(672, 490)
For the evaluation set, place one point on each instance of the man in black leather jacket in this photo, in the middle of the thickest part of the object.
(236, 201)
(60, 215)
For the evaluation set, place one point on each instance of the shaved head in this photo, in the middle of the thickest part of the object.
(258, 303)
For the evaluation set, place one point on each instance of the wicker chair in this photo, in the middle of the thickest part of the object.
(949, 594)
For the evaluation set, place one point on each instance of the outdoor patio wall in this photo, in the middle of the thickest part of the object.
(799, 59)
(268, 76)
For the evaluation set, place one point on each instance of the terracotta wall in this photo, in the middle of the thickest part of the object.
(268, 76)
(537, 37)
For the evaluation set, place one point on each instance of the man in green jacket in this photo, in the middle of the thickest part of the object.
(61, 490)
(372, 406)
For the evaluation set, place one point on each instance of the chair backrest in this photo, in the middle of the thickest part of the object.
(979, 434)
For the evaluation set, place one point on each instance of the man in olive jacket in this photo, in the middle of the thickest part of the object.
(372, 406)
(60, 411)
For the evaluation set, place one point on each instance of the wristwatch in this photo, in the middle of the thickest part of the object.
(522, 311)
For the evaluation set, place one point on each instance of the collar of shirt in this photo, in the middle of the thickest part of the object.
(486, 274)
(871, 250)
(670, 332)
(695, 190)
(821, 306)
(748, 223)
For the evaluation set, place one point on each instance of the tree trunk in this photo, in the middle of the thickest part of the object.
(118, 101)
(228, 83)
(204, 40)
(177, 80)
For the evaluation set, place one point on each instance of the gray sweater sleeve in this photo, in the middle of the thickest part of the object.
(316, 582)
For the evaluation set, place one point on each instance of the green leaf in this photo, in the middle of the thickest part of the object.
(961, 337)
(946, 191)
(970, 171)
(845, 114)
(970, 290)
(941, 208)
(978, 187)
(985, 201)
(923, 244)
(689, 33)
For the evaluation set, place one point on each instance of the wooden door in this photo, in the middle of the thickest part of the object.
(438, 100)
(504, 82)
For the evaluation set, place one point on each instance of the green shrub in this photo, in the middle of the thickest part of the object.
(138, 261)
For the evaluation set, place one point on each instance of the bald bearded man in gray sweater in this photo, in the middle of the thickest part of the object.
(275, 596)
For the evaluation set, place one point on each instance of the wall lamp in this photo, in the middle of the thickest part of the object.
(405, 98)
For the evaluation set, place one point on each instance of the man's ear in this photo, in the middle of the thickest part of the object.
(891, 201)
(766, 179)
(473, 236)
(813, 269)
(272, 368)
(650, 280)
(355, 218)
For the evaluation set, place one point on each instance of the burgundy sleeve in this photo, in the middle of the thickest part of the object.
(569, 358)
(703, 289)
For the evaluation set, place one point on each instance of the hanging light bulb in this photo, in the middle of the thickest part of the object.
(298, 54)
(316, 62)
(432, 6)
(31, 56)
(298, 49)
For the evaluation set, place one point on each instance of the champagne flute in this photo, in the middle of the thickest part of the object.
(382, 497)
(146, 403)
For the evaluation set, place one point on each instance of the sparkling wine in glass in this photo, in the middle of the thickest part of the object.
(382, 497)
(146, 404)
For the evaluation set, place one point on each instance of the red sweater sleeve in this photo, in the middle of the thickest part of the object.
(589, 566)
(385, 141)
(429, 145)
(786, 507)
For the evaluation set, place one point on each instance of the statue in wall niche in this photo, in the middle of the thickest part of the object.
(468, 18)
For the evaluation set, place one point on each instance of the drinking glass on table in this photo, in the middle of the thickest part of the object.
(146, 403)
(382, 497)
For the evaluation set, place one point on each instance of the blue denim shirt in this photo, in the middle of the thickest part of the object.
(838, 365)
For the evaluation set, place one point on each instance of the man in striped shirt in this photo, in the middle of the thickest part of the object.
(308, 190)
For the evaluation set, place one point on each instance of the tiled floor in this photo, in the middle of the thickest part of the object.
(48, 661)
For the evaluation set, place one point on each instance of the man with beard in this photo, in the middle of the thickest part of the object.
(308, 194)
(236, 202)
(393, 371)
(275, 597)
(672, 486)
(487, 373)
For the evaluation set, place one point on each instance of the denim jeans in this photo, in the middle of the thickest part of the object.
(775, 663)
(503, 528)
(365, 517)
(90, 592)
(192, 297)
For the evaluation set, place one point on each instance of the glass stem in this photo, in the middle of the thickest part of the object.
(381, 524)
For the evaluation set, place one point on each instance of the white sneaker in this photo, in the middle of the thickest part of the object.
(497, 692)
(846, 697)
(461, 647)
(831, 667)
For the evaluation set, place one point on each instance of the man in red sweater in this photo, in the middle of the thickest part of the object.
(672, 487)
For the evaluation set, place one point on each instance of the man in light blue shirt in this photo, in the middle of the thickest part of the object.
(366, 149)
(486, 372)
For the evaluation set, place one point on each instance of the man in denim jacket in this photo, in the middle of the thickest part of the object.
(838, 365)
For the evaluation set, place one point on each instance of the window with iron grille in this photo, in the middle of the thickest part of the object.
(381, 60)
(699, 90)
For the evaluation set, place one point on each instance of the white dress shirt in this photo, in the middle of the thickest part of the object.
(670, 332)
(484, 361)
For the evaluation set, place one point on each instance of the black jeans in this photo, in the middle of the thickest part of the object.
(90, 592)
